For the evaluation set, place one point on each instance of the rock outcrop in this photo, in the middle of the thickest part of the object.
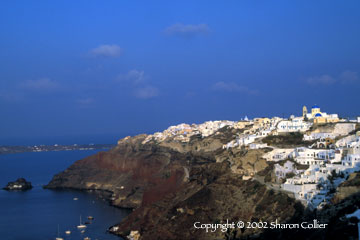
(348, 188)
(127, 172)
(19, 185)
(213, 195)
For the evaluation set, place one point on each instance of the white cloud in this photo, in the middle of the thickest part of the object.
(346, 77)
(187, 30)
(233, 87)
(137, 82)
(349, 77)
(323, 79)
(106, 51)
(11, 96)
(42, 84)
(146, 92)
(85, 101)
(134, 76)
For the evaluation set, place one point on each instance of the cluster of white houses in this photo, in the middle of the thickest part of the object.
(327, 167)
(334, 154)
(182, 132)
(312, 186)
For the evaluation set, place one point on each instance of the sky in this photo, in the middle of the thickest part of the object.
(70, 68)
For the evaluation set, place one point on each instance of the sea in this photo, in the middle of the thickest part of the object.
(46, 214)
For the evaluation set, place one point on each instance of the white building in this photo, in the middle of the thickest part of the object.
(314, 136)
(281, 171)
(343, 142)
(278, 154)
(246, 140)
(353, 147)
(307, 156)
(351, 160)
(257, 145)
(264, 133)
(294, 125)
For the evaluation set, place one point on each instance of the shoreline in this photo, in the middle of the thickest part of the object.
(104, 195)
(53, 148)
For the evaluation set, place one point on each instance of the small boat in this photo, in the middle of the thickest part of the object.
(81, 225)
(87, 238)
(58, 238)
(68, 232)
(82, 231)
(90, 217)
(75, 199)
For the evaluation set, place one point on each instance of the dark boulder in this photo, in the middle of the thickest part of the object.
(19, 185)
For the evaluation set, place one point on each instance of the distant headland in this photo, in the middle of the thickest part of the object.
(55, 147)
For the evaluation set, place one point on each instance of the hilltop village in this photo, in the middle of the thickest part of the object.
(311, 169)
(289, 170)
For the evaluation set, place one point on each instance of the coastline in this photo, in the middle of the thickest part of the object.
(39, 207)
(104, 195)
(48, 148)
(175, 178)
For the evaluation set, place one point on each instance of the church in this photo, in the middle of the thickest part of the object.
(317, 116)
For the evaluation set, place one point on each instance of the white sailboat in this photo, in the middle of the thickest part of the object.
(58, 238)
(81, 225)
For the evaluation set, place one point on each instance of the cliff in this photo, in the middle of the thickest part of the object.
(173, 184)
(348, 188)
(212, 195)
(127, 171)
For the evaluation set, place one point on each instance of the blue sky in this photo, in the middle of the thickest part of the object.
(128, 67)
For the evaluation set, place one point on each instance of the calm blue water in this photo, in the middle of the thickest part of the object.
(36, 214)
(65, 140)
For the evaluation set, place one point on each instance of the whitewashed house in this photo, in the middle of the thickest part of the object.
(294, 125)
(353, 147)
(246, 140)
(351, 160)
(281, 171)
(314, 136)
(343, 142)
(278, 154)
(264, 133)
(307, 156)
(257, 145)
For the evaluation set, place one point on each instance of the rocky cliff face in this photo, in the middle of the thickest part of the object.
(171, 185)
(348, 188)
(128, 171)
(213, 195)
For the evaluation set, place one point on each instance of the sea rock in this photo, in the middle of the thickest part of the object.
(19, 185)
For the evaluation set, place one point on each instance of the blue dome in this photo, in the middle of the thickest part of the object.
(315, 106)
(318, 115)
